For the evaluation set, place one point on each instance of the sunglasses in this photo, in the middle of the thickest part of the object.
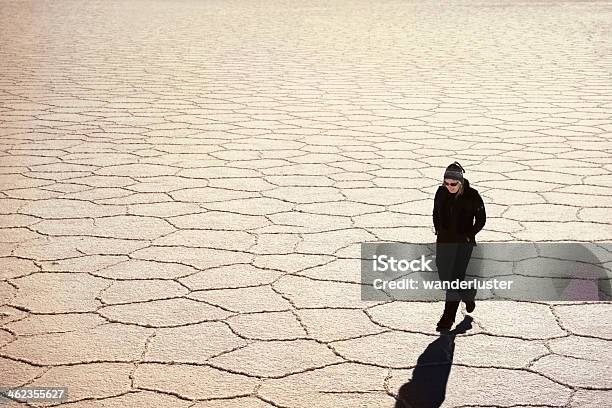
(453, 184)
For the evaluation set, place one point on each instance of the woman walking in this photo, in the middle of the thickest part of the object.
(458, 215)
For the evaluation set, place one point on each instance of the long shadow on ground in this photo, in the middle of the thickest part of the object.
(427, 388)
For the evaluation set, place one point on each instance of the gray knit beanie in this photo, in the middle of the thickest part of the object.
(454, 171)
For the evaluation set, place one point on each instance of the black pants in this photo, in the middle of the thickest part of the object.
(452, 259)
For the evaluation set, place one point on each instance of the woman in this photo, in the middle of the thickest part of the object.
(458, 215)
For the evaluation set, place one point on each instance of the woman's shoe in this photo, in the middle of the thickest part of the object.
(448, 316)
(444, 325)
(470, 305)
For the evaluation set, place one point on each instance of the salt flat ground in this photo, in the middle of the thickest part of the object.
(184, 186)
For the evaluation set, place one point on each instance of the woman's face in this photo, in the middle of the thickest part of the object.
(451, 185)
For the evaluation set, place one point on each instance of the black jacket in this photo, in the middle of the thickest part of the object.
(453, 217)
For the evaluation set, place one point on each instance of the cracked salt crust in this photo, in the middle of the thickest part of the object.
(204, 204)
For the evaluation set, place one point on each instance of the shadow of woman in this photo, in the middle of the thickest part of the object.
(427, 388)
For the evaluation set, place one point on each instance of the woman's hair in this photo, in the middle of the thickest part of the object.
(460, 191)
